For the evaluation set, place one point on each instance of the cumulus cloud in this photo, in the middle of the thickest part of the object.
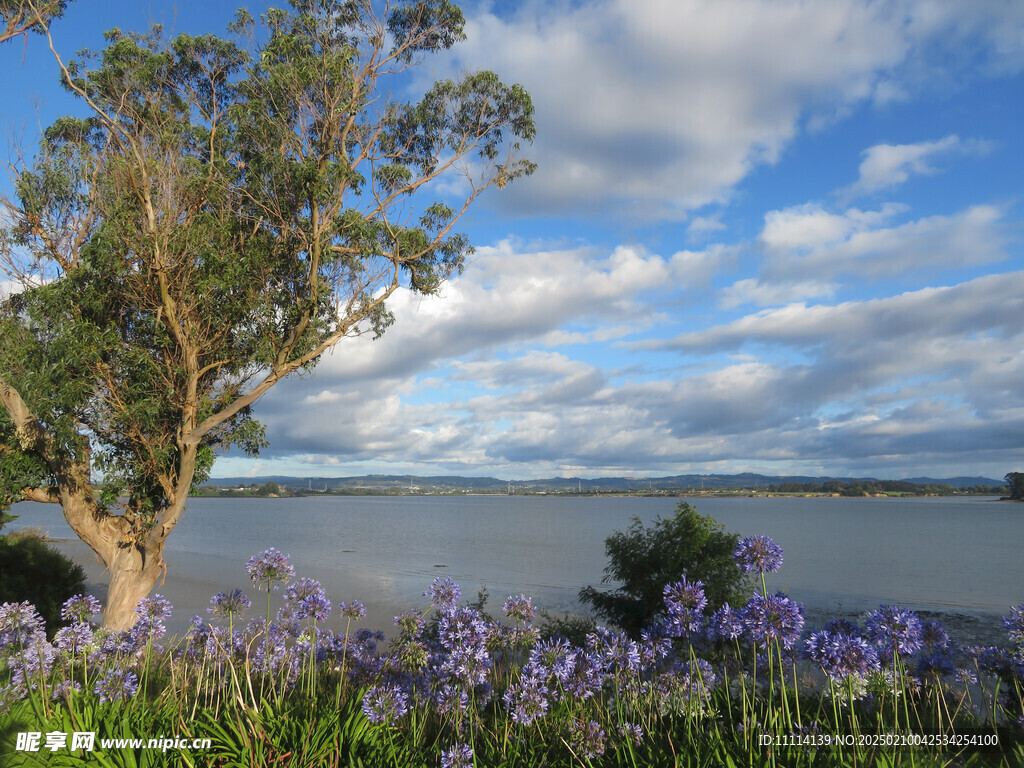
(661, 107)
(656, 108)
(888, 165)
(809, 240)
(991, 303)
(914, 377)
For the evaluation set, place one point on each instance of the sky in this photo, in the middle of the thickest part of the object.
(774, 236)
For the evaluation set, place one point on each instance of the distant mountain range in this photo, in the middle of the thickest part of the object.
(415, 482)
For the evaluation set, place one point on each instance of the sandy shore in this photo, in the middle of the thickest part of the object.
(193, 579)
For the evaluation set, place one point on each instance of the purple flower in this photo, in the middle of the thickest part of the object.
(552, 658)
(698, 678)
(385, 703)
(725, 624)
(527, 700)
(227, 604)
(269, 567)
(632, 731)
(459, 756)
(73, 638)
(80, 608)
(1014, 624)
(842, 655)
(685, 602)
(19, 624)
(353, 610)
(685, 596)
(463, 635)
(587, 739)
(934, 635)
(151, 612)
(758, 554)
(444, 593)
(619, 655)
(450, 698)
(118, 684)
(896, 630)
(934, 666)
(519, 607)
(775, 618)
(309, 600)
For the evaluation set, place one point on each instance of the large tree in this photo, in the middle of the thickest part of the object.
(225, 212)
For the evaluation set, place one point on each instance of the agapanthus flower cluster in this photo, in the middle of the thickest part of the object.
(80, 608)
(842, 655)
(632, 732)
(20, 626)
(725, 624)
(684, 603)
(444, 594)
(352, 610)
(74, 638)
(1014, 624)
(758, 554)
(698, 678)
(527, 699)
(308, 600)
(152, 611)
(116, 685)
(462, 635)
(385, 703)
(269, 569)
(458, 756)
(894, 630)
(619, 655)
(587, 739)
(775, 618)
(520, 608)
(229, 604)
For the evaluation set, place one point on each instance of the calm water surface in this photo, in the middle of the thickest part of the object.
(841, 555)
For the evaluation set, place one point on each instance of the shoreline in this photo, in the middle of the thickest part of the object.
(190, 595)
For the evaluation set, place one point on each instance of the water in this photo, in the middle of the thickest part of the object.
(842, 556)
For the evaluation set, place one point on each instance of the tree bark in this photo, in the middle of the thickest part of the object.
(133, 574)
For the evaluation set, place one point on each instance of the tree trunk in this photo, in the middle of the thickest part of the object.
(133, 573)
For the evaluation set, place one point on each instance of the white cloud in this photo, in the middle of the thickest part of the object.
(655, 108)
(888, 165)
(663, 106)
(811, 226)
(810, 241)
(753, 291)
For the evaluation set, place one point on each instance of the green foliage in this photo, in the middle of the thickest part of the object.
(21, 16)
(1016, 482)
(30, 569)
(643, 560)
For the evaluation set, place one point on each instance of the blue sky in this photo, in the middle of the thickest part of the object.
(764, 235)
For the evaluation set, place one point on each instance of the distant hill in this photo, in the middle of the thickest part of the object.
(456, 482)
(956, 482)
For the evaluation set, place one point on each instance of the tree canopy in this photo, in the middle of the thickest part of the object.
(642, 560)
(22, 16)
(1016, 482)
(226, 210)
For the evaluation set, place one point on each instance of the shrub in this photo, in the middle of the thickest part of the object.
(643, 560)
(31, 569)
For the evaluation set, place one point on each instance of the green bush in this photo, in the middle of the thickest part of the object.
(643, 560)
(30, 569)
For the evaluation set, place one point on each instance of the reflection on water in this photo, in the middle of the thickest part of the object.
(849, 555)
